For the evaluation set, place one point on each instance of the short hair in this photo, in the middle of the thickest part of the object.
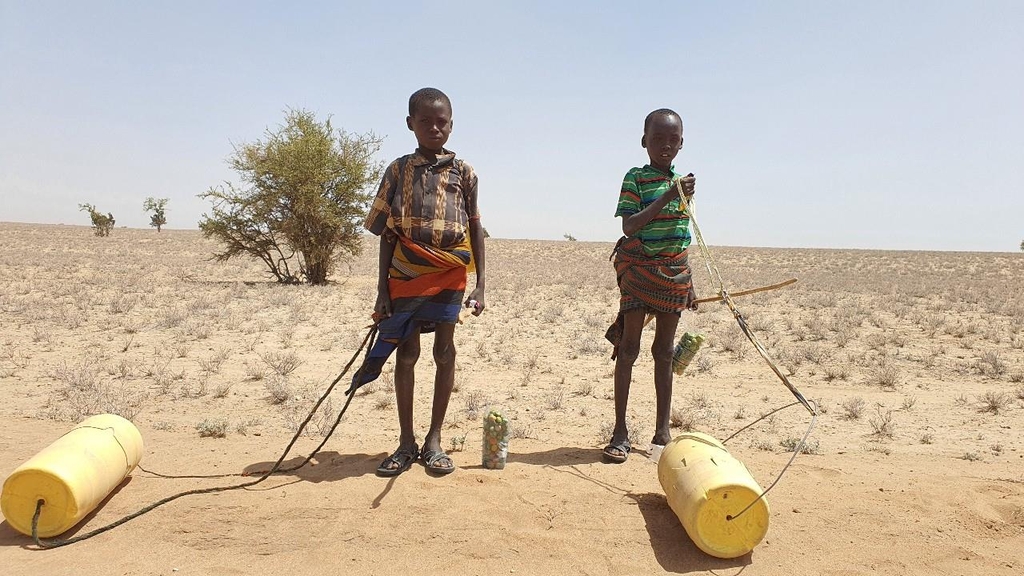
(427, 95)
(665, 112)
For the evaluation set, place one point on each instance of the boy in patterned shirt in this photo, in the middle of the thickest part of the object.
(652, 272)
(426, 215)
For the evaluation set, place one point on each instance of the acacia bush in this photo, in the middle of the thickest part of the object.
(304, 193)
(158, 208)
(101, 224)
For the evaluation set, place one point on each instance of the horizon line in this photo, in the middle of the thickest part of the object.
(367, 234)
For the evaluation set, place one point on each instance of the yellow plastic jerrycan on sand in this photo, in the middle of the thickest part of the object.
(72, 475)
(707, 487)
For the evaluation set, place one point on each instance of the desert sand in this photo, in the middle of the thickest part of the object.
(915, 465)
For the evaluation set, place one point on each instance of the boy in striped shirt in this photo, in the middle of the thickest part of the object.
(652, 271)
(427, 217)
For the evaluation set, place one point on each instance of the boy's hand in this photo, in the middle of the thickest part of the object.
(476, 301)
(383, 305)
(689, 183)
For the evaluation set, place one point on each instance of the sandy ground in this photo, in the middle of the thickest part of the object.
(915, 466)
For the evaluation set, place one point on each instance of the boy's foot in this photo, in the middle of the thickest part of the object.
(617, 452)
(399, 461)
(437, 462)
(661, 439)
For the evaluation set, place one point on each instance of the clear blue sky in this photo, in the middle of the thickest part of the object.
(846, 124)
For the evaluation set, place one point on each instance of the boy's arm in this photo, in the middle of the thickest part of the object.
(377, 223)
(470, 187)
(634, 222)
(387, 252)
(476, 238)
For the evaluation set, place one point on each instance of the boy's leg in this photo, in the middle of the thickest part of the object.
(662, 350)
(405, 383)
(629, 350)
(444, 381)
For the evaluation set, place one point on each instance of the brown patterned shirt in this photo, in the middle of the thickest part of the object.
(431, 203)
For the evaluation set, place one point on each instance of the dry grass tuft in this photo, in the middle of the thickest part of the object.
(283, 363)
(474, 404)
(991, 364)
(810, 447)
(834, 372)
(887, 376)
(993, 402)
(555, 399)
(584, 388)
(908, 403)
(520, 429)
(882, 423)
(696, 413)
(279, 390)
(853, 408)
(213, 428)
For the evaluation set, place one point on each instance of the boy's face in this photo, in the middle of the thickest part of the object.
(663, 139)
(432, 124)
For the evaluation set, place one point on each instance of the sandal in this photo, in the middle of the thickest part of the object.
(617, 452)
(434, 462)
(398, 462)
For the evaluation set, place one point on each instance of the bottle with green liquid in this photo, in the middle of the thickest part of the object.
(687, 347)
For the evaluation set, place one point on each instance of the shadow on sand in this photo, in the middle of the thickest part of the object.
(327, 466)
(672, 546)
(564, 456)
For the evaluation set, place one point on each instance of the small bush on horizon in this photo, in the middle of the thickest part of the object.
(158, 208)
(101, 225)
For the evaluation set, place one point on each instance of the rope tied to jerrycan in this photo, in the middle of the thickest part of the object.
(686, 206)
(277, 468)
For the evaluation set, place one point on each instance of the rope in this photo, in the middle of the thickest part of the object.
(716, 277)
(275, 469)
(796, 450)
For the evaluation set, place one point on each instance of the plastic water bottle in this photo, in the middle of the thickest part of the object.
(495, 444)
(686, 349)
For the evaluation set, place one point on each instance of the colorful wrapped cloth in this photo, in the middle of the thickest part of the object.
(653, 284)
(426, 285)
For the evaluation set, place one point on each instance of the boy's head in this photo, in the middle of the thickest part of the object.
(430, 118)
(663, 137)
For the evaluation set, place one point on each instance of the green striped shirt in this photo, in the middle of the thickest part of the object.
(668, 233)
